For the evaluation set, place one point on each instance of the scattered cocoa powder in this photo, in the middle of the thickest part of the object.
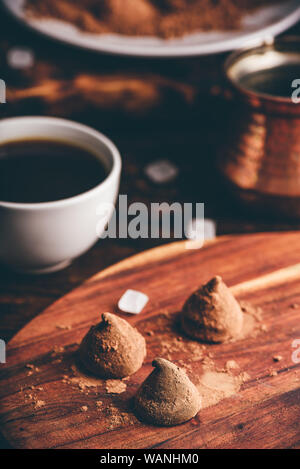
(33, 369)
(115, 386)
(162, 18)
(36, 388)
(59, 360)
(207, 362)
(118, 418)
(231, 365)
(57, 349)
(82, 383)
(172, 347)
(215, 386)
(39, 404)
(81, 380)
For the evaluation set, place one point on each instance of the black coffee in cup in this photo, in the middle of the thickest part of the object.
(38, 170)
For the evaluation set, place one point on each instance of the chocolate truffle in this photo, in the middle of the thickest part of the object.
(112, 348)
(212, 314)
(167, 397)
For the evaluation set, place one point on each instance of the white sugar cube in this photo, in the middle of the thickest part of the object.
(161, 171)
(20, 58)
(133, 302)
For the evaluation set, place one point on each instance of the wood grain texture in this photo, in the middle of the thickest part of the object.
(262, 269)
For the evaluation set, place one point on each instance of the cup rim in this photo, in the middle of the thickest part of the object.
(114, 172)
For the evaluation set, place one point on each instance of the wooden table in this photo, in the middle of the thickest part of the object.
(183, 123)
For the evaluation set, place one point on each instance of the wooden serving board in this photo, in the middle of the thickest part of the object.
(263, 269)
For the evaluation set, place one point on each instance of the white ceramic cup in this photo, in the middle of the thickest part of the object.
(46, 237)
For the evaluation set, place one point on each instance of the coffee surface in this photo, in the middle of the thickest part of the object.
(276, 81)
(37, 171)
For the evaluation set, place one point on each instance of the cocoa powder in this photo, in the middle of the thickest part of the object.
(162, 18)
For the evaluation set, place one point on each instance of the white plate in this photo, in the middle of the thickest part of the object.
(264, 23)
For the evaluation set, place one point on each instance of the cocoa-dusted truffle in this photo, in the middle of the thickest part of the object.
(167, 397)
(212, 314)
(112, 348)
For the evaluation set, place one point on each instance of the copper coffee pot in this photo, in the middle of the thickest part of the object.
(261, 160)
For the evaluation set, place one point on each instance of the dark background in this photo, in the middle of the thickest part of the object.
(176, 109)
